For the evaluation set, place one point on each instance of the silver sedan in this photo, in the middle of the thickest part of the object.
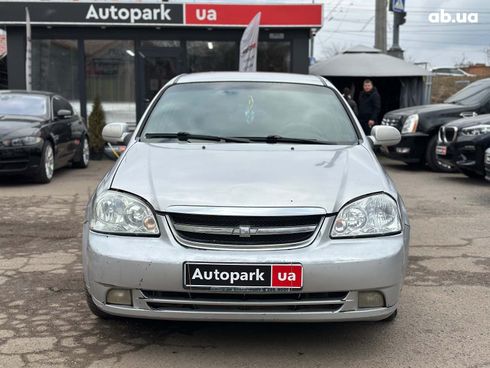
(247, 197)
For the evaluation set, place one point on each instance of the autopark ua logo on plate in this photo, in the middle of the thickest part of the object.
(445, 17)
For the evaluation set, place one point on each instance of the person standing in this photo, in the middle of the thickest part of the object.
(369, 106)
(348, 97)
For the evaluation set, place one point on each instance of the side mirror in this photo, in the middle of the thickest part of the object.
(116, 133)
(63, 113)
(384, 135)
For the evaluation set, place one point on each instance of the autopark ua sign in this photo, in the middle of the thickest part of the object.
(158, 14)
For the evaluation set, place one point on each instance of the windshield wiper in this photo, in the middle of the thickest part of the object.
(279, 139)
(185, 136)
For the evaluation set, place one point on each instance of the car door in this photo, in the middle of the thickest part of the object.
(61, 132)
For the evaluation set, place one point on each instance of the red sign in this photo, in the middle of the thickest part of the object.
(289, 276)
(294, 15)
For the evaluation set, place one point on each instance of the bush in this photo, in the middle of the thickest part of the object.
(96, 122)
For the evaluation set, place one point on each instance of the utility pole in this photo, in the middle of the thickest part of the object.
(399, 18)
(380, 25)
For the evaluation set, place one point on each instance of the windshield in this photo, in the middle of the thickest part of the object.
(474, 94)
(252, 109)
(22, 104)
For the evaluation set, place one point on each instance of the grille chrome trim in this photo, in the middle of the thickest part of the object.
(244, 232)
(247, 211)
(444, 132)
(240, 230)
(244, 302)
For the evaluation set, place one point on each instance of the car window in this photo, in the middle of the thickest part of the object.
(252, 109)
(23, 104)
(474, 94)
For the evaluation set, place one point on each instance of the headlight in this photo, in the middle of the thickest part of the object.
(22, 141)
(411, 123)
(121, 213)
(476, 130)
(373, 215)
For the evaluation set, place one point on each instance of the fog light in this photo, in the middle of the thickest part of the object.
(370, 299)
(402, 150)
(119, 296)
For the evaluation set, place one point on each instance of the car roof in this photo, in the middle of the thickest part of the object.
(24, 92)
(252, 77)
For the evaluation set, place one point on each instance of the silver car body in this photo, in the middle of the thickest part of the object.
(252, 179)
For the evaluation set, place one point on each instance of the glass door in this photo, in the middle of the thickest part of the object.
(157, 67)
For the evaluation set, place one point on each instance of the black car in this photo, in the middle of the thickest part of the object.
(419, 125)
(463, 143)
(39, 133)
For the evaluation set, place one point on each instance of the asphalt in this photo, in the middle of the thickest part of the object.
(443, 320)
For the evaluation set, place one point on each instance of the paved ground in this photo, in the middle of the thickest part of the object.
(444, 318)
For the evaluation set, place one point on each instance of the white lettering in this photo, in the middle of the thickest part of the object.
(135, 14)
(165, 13)
(204, 14)
(197, 274)
(201, 14)
(147, 14)
(123, 14)
(92, 13)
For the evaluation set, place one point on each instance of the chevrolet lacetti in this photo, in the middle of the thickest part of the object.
(246, 197)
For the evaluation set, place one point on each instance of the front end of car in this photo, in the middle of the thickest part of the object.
(412, 146)
(245, 264)
(20, 154)
(465, 146)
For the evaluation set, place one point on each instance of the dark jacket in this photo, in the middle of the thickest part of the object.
(369, 106)
(352, 104)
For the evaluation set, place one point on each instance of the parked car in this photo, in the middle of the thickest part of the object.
(463, 143)
(487, 164)
(246, 197)
(39, 133)
(451, 72)
(419, 125)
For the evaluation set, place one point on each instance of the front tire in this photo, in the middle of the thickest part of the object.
(45, 172)
(432, 161)
(82, 157)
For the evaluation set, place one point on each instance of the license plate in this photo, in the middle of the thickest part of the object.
(240, 275)
(441, 150)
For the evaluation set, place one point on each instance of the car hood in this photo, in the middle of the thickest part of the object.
(14, 126)
(430, 109)
(249, 175)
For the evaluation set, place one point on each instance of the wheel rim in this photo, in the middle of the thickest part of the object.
(49, 162)
(85, 152)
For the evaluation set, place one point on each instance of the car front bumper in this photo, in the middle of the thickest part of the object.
(411, 148)
(20, 160)
(341, 267)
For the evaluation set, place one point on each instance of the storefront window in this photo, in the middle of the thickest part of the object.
(55, 68)
(109, 68)
(160, 43)
(212, 56)
(274, 56)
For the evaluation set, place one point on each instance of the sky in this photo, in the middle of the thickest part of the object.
(349, 23)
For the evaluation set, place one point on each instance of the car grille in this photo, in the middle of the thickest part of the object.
(210, 231)
(448, 134)
(241, 302)
(394, 121)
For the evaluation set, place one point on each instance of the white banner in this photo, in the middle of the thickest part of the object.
(28, 52)
(248, 46)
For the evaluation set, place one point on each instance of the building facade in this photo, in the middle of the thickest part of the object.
(125, 52)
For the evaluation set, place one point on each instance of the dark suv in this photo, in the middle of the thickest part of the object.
(463, 142)
(419, 124)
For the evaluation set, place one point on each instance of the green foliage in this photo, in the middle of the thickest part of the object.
(96, 122)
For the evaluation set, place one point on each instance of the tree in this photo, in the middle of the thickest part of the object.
(96, 122)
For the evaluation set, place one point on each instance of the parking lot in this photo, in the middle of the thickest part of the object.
(443, 319)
